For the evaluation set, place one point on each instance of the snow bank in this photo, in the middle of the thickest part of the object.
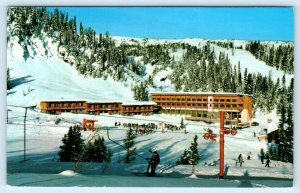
(68, 173)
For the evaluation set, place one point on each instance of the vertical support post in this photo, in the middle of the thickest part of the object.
(221, 145)
(25, 134)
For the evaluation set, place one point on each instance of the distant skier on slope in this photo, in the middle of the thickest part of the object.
(268, 161)
(240, 160)
(262, 156)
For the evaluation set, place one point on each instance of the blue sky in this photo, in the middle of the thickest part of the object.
(253, 23)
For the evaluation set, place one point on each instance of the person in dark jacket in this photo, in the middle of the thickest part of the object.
(268, 161)
(155, 161)
(152, 162)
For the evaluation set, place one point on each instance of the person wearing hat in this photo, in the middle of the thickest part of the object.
(152, 162)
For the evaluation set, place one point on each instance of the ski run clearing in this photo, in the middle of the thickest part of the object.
(41, 78)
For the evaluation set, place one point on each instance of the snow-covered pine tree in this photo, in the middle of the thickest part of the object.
(191, 155)
(129, 146)
(72, 145)
(184, 159)
(182, 126)
(8, 80)
(194, 156)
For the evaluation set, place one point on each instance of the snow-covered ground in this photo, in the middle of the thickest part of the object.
(43, 138)
(43, 77)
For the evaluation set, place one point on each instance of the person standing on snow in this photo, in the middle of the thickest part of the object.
(152, 162)
(262, 156)
(155, 161)
(240, 160)
(149, 161)
(268, 161)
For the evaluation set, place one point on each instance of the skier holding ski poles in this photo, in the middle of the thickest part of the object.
(153, 162)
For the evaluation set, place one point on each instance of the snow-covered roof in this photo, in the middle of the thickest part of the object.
(103, 102)
(64, 100)
(140, 103)
(201, 93)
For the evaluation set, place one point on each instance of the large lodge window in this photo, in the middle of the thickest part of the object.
(222, 100)
(204, 99)
(188, 99)
(204, 105)
(199, 99)
(193, 99)
(178, 99)
(234, 100)
(216, 100)
(227, 105)
(227, 100)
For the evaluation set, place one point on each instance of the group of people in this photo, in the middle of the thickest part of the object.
(240, 159)
(263, 156)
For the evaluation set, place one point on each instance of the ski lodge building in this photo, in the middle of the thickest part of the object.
(204, 106)
(96, 107)
(197, 106)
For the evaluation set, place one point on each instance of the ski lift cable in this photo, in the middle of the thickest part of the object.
(122, 145)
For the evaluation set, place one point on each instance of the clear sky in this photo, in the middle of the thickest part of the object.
(253, 23)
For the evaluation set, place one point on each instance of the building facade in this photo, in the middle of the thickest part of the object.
(144, 108)
(205, 106)
(103, 107)
(60, 106)
(96, 107)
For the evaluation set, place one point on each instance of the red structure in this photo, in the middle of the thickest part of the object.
(88, 125)
(209, 135)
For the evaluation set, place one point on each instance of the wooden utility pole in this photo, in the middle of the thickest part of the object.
(221, 145)
(25, 134)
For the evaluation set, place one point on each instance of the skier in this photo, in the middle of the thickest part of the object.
(155, 162)
(249, 156)
(152, 162)
(262, 156)
(149, 161)
(268, 161)
(240, 159)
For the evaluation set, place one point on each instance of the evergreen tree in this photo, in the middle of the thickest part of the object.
(96, 151)
(191, 155)
(183, 160)
(8, 80)
(129, 143)
(182, 126)
(72, 145)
